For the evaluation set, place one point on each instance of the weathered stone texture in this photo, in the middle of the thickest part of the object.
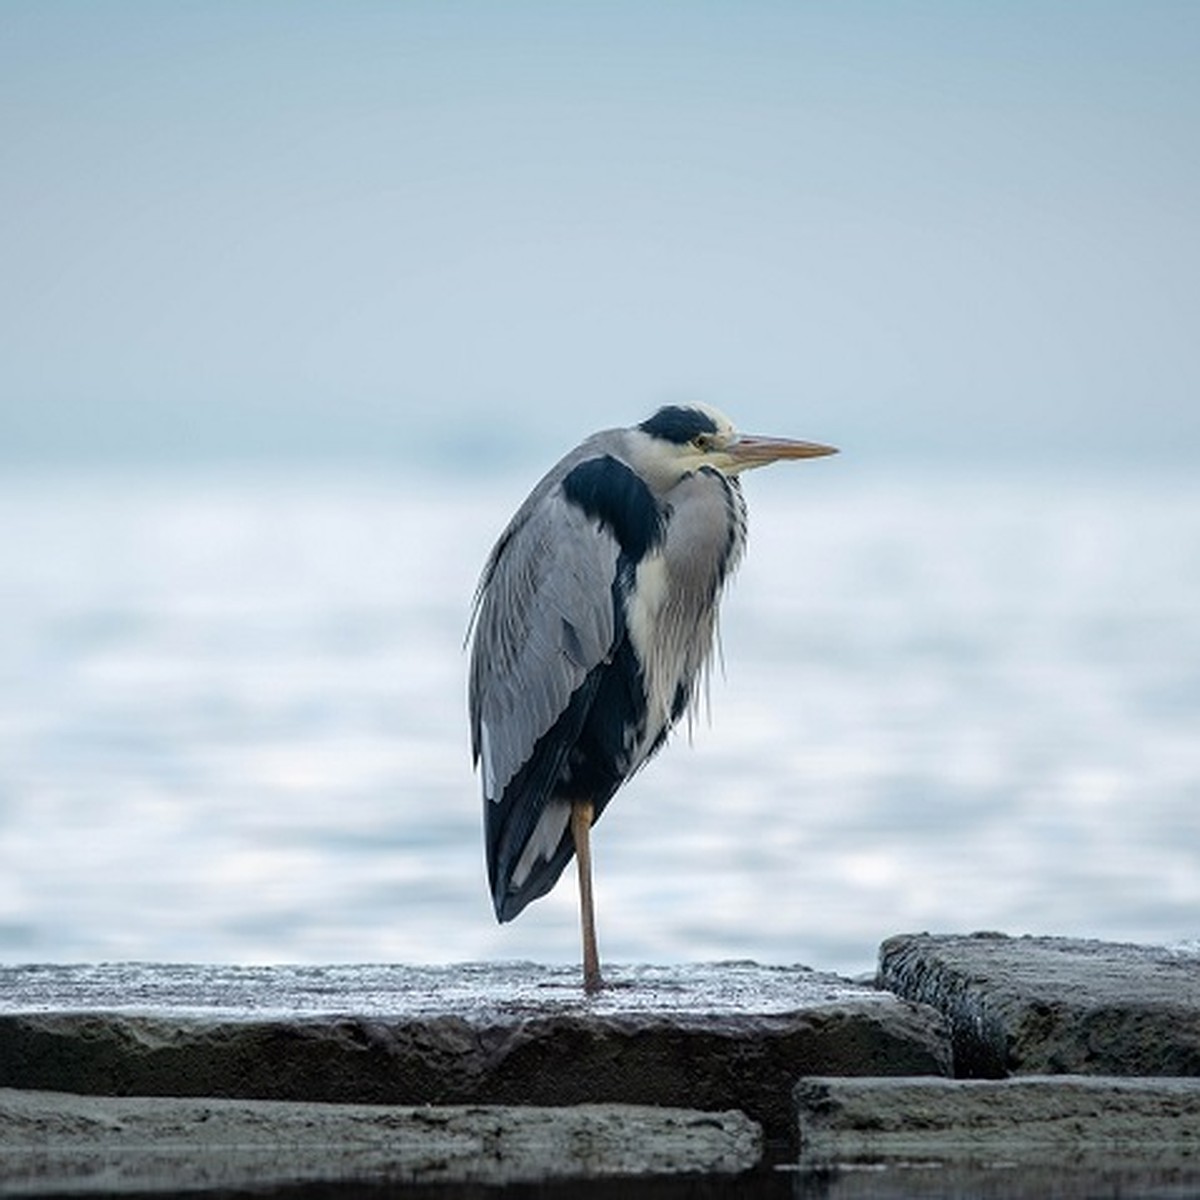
(1053, 1005)
(1067, 1136)
(727, 1036)
(1030, 1118)
(94, 1144)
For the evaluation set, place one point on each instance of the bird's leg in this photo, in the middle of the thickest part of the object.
(581, 828)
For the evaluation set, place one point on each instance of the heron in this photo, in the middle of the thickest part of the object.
(594, 620)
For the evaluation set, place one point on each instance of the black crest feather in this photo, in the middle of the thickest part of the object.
(677, 423)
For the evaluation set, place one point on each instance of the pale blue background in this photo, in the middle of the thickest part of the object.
(298, 299)
(314, 228)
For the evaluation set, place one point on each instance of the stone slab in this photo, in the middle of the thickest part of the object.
(1026, 1119)
(51, 1142)
(1054, 1005)
(713, 1037)
(1071, 1137)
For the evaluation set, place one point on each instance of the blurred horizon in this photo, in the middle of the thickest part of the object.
(366, 232)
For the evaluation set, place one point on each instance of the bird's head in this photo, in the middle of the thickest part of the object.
(683, 438)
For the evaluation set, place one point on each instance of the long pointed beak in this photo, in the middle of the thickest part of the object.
(749, 450)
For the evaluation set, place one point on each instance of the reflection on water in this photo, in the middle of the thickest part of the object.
(1106, 1180)
(232, 726)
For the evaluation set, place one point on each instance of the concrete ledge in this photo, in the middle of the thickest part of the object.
(51, 1142)
(711, 1037)
(1053, 1005)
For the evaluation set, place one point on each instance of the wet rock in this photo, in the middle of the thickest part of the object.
(712, 1037)
(1028, 1119)
(51, 1142)
(1054, 1005)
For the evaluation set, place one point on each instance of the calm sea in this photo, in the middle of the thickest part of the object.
(232, 724)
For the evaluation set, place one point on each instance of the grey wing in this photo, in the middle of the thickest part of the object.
(544, 620)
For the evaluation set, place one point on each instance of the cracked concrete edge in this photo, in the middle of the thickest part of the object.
(1023, 1120)
(53, 1142)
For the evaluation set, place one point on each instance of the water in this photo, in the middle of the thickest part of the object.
(232, 724)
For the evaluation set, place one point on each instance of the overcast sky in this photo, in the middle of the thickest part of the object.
(395, 229)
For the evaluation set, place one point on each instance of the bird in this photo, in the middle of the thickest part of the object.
(593, 621)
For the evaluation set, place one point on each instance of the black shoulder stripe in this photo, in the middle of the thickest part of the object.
(608, 491)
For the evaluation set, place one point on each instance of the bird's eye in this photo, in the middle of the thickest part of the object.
(703, 441)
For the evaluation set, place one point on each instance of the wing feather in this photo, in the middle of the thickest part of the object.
(555, 697)
(544, 620)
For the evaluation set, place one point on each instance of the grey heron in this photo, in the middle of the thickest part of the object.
(594, 617)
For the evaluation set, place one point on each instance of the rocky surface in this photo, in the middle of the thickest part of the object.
(1068, 1136)
(1054, 1005)
(52, 1142)
(445, 1079)
(715, 1037)
(1031, 1119)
